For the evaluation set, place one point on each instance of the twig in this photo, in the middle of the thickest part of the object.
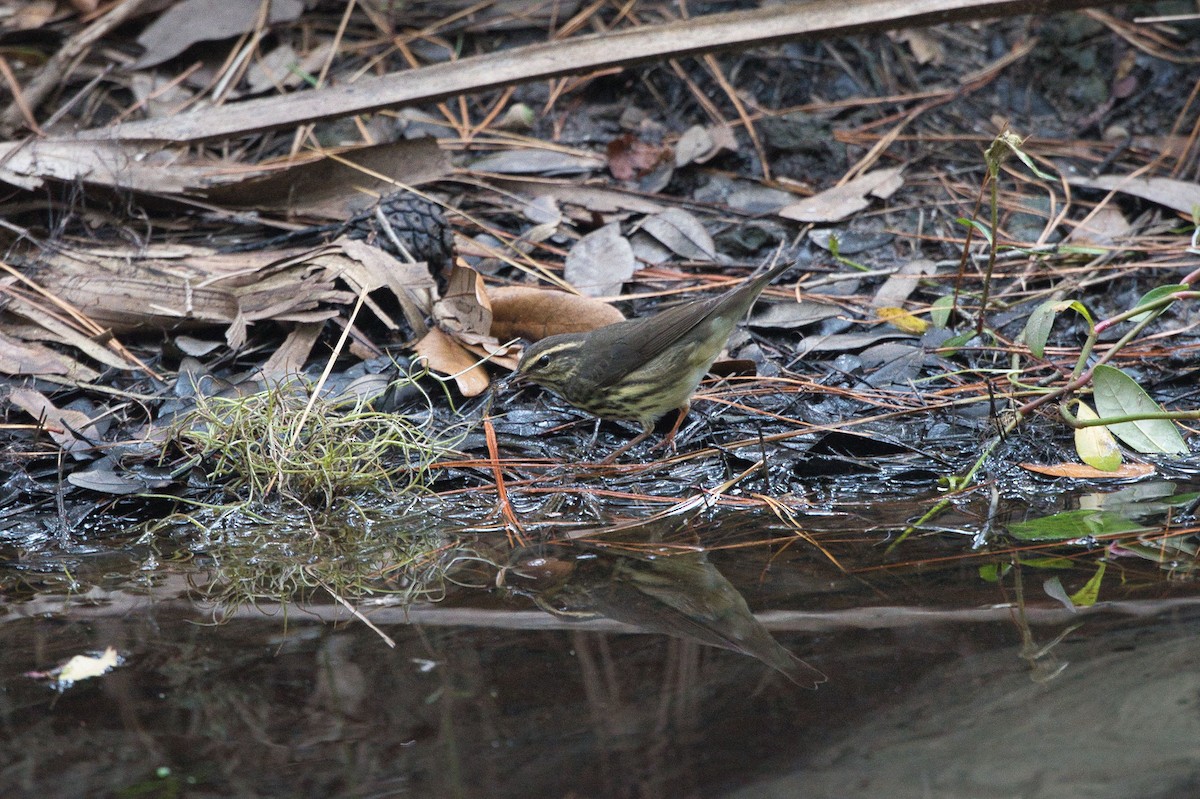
(54, 73)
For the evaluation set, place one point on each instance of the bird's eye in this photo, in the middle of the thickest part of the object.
(540, 362)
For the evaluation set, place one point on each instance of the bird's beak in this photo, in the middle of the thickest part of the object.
(515, 380)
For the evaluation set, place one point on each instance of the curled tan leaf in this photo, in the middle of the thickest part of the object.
(464, 309)
(531, 314)
(446, 356)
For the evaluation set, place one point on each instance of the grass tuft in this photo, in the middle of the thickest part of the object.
(282, 443)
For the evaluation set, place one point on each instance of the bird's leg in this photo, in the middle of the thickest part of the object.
(647, 429)
(595, 433)
(669, 440)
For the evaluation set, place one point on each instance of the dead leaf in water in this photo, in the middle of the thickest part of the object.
(1084, 472)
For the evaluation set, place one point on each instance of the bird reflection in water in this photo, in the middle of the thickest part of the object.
(655, 588)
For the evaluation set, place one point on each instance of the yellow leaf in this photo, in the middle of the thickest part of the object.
(902, 319)
(1095, 445)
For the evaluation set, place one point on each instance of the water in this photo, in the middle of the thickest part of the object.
(939, 682)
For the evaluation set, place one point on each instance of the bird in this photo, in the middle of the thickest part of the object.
(656, 589)
(641, 369)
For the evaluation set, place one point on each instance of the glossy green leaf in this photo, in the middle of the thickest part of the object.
(1153, 295)
(1117, 394)
(954, 342)
(1072, 524)
(1082, 310)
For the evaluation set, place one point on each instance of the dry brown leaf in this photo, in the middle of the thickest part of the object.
(31, 14)
(1102, 228)
(1179, 195)
(446, 356)
(699, 144)
(71, 430)
(191, 21)
(682, 233)
(505, 357)
(840, 202)
(19, 357)
(925, 48)
(332, 187)
(629, 157)
(465, 309)
(902, 283)
(370, 268)
(1083, 471)
(289, 357)
(531, 314)
(599, 263)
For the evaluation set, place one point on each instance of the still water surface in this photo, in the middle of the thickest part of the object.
(936, 685)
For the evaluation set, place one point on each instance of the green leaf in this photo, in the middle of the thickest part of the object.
(1086, 597)
(1072, 524)
(983, 229)
(1027, 161)
(1041, 321)
(994, 572)
(940, 310)
(954, 342)
(1037, 327)
(1156, 294)
(1117, 394)
(1095, 445)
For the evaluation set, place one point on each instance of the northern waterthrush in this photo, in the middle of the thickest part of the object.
(640, 369)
